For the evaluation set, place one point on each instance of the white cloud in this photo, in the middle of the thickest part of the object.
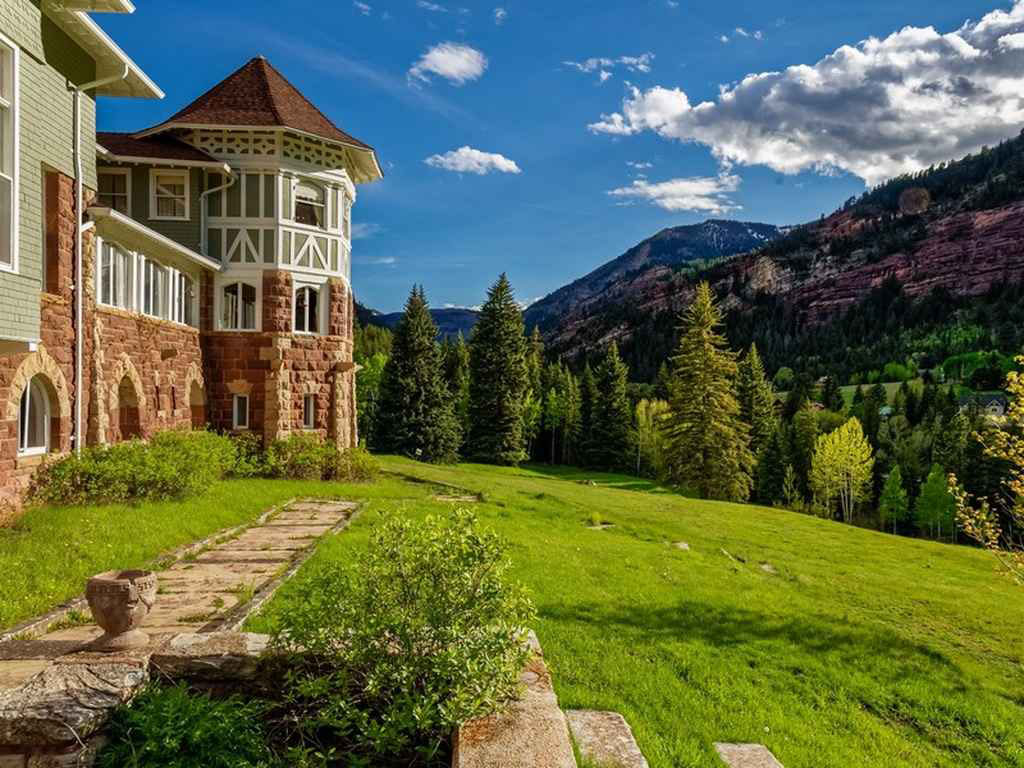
(876, 109)
(742, 32)
(723, 38)
(365, 229)
(428, 6)
(639, 166)
(500, 15)
(708, 194)
(672, 3)
(363, 8)
(469, 160)
(457, 63)
(604, 65)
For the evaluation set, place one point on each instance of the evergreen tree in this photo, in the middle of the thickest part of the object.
(791, 489)
(650, 438)
(772, 462)
(533, 400)
(799, 395)
(416, 417)
(498, 379)
(588, 403)
(757, 400)
(874, 401)
(456, 372)
(949, 447)
(803, 439)
(936, 506)
(612, 415)
(832, 395)
(708, 447)
(892, 505)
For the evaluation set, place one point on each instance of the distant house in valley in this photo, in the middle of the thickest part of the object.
(994, 405)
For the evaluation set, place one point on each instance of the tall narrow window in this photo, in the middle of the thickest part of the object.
(154, 289)
(113, 189)
(34, 419)
(169, 194)
(238, 307)
(309, 204)
(8, 152)
(184, 299)
(307, 310)
(309, 412)
(115, 276)
(240, 412)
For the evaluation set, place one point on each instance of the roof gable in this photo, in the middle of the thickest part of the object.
(257, 95)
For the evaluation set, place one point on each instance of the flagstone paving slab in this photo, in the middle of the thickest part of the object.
(605, 739)
(747, 756)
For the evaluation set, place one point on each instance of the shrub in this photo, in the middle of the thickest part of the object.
(306, 456)
(173, 465)
(250, 459)
(355, 465)
(173, 728)
(423, 632)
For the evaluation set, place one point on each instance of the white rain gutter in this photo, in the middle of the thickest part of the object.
(203, 236)
(80, 229)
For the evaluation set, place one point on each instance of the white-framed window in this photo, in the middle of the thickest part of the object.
(184, 299)
(309, 412)
(238, 307)
(115, 274)
(168, 194)
(115, 189)
(346, 219)
(154, 289)
(240, 412)
(34, 420)
(310, 203)
(307, 309)
(9, 156)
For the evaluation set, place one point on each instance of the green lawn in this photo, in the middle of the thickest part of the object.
(860, 649)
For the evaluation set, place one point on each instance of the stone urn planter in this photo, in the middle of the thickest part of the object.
(120, 602)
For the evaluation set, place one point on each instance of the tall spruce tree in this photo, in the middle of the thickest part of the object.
(456, 372)
(893, 507)
(832, 395)
(416, 416)
(757, 399)
(772, 461)
(708, 447)
(612, 415)
(498, 379)
(588, 402)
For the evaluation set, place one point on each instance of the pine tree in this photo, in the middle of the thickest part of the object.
(832, 395)
(757, 400)
(588, 403)
(612, 415)
(533, 400)
(708, 443)
(456, 373)
(498, 379)
(936, 506)
(416, 417)
(772, 462)
(892, 505)
(803, 439)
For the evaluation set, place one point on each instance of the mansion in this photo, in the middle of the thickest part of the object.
(192, 273)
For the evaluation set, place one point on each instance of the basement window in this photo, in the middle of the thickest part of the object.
(240, 412)
(8, 153)
(309, 412)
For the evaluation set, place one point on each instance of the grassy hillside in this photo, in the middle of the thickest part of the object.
(834, 646)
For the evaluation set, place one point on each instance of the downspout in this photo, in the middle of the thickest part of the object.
(203, 235)
(80, 230)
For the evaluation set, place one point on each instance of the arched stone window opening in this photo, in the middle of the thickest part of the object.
(38, 418)
(128, 418)
(197, 405)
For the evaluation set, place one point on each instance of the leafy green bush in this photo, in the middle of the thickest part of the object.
(354, 465)
(173, 728)
(423, 632)
(250, 459)
(305, 456)
(172, 465)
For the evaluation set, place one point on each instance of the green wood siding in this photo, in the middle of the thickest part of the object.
(48, 59)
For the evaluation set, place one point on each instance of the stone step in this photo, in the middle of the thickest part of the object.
(605, 739)
(531, 733)
(747, 756)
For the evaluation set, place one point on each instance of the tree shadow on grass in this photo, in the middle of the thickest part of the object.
(600, 479)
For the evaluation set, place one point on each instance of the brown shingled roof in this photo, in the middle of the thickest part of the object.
(152, 147)
(258, 95)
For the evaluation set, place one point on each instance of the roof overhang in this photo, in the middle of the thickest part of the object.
(110, 60)
(366, 166)
(97, 6)
(107, 156)
(131, 234)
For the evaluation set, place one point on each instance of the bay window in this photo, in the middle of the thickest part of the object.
(307, 310)
(310, 202)
(8, 152)
(116, 276)
(154, 289)
(238, 307)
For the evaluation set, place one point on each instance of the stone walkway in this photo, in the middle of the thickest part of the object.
(215, 586)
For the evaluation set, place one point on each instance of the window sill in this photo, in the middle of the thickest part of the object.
(26, 459)
(10, 269)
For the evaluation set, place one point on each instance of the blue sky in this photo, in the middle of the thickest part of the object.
(562, 97)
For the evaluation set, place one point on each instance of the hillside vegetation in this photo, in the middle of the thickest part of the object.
(835, 646)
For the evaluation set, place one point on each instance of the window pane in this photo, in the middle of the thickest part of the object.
(248, 306)
(314, 322)
(308, 411)
(241, 411)
(189, 297)
(6, 140)
(125, 299)
(147, 289)
(36, 437)
(106, 268)
(308, 213)
(229, 315)
(300, 309)
(6, 221)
